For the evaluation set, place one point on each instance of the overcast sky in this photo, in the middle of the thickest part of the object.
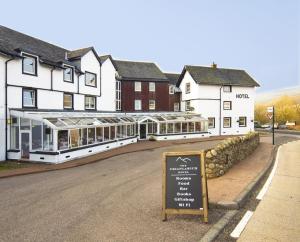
(260, 36)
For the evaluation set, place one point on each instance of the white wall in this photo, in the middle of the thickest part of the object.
(89, 63)
(107, 101)
(206, 101)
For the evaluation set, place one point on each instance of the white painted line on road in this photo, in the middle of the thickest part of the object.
(269, 180)
(241, 225)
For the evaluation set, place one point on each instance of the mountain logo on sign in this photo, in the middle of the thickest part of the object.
(185, 160)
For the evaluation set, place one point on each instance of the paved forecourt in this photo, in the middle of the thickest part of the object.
(277, 217)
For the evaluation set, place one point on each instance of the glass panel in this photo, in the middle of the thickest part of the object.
(124, 134)
(29, 65)
(83, 137)
(150, 128)
(91, 135)
(177, 127)
(119, 131)
(99, 134)
(197, 126)
(47, 138)
(191, 127)
(29, 98)
(36, 135)
(163, 128)
(170, 128)
(90, 79)
(112, 132)
(154, 128)
(62, 139)
(74, 138)
(106, 133)
(14, 133)
(128, 130)
(68, 101)
(68, 74)
(25, 124)
(184, 127)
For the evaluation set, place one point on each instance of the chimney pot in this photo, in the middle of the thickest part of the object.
(214, 65)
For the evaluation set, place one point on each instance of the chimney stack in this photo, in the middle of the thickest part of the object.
(214, 65)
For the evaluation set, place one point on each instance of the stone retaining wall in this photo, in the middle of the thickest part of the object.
(228, 152)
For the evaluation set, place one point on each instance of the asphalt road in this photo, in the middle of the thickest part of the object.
(117, 199)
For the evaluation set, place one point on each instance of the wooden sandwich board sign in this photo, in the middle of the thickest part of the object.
(184, 186)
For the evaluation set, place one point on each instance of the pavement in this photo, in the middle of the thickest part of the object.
(277, 217)
(115, 199)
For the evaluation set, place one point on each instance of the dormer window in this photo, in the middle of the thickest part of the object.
(90, 79)
(68, 74)
(29, 65)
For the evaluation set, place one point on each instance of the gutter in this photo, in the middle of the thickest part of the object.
(52, 69)
(5, 106)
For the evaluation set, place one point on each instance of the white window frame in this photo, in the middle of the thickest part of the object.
(171, 89)
(88, 98)
(151, 86)
(152, 105)
(118, 95)
(187, 88)
(137, 104)
(137, 86)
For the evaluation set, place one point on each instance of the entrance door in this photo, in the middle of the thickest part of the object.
(25, 145)
(143, 131)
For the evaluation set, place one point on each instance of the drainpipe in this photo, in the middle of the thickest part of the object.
(5, 105)
(52, 69)
(220, 122)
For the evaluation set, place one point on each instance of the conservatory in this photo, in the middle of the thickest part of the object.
(58, 137)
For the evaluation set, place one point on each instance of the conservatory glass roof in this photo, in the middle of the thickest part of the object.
(72, 120)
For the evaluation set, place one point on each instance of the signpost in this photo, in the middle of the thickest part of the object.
(184, 187)
(271, 115)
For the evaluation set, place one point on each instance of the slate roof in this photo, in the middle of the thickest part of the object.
(219, 76)
(13, 42)
(103, 58)
(75, 54)
(173, 77)
(142, 71)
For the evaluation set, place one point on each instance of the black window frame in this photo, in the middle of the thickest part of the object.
(70, 94)
(24, 55)
(186, 90)
(35, 98)
(92, 74)
(230, 88)
(230, 122)
(214, 119)
(85, 102)
(227, 102)
(245, 121)
(72, 69)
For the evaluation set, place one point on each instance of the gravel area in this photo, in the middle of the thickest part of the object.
(117, 199)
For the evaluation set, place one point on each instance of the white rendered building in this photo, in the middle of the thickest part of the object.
(224, 96)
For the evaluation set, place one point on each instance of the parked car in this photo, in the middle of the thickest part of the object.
(282, 126)
(266, 126)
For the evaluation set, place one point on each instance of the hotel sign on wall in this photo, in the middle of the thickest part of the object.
(242, 96)
(184, 184)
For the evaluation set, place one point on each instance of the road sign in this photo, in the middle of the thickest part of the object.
(270, 115)
(270, 109)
